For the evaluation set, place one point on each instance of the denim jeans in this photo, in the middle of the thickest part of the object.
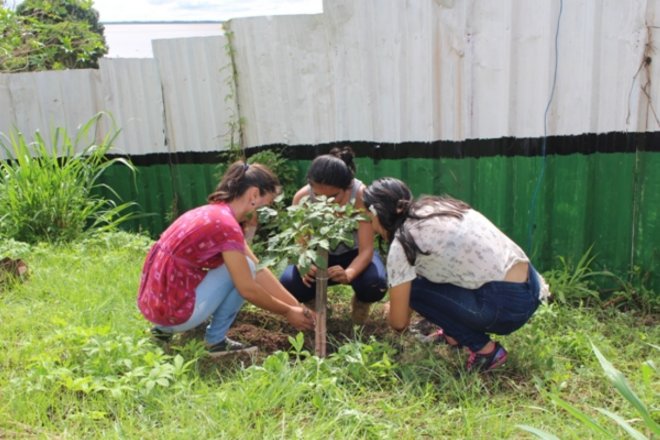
(369, 286)
(217, 298)
(498, 307)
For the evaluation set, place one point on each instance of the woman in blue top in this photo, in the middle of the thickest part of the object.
(333, 175)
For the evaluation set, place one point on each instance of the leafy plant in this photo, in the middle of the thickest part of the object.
(572, 284)
(618, 380)
(49, 189)
(309, 231)
(13, 249)
(285, 171)
(50, 35)
(310, 227)
(93, 361)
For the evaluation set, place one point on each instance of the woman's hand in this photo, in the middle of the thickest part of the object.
(310, 277)
(249, 227)
(339, 275)
(301, 318)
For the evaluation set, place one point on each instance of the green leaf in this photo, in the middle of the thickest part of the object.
(624, 424)
(537, 432)
(619, 381)
(586, 420)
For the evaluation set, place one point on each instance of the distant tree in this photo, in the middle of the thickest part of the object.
(50, 35)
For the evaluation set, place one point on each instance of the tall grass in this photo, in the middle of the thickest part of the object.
(49, 188)
(645, 426)
(76, 363)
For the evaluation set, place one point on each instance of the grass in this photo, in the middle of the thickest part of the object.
(76, 364)
(49, 189)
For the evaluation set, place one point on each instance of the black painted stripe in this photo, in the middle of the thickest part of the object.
(615, 142)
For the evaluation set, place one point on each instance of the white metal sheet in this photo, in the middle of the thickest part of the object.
(197, 83)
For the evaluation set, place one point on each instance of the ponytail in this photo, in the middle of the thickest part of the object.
(335, 169)
(240, 177)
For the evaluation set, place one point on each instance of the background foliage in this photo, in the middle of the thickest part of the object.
(50, 35)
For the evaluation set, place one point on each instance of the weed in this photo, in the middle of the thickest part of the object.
(574, 284)
(650, 427)
(48, 189)
(632, 293)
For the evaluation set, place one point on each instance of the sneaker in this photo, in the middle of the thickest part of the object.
(359, 311)
(160, 336)
(229, 346)
(488, 361)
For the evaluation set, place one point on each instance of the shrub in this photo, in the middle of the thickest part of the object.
(285, 171)
(49, 192)
(50, 35)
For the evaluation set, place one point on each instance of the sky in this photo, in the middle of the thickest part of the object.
(200, 10)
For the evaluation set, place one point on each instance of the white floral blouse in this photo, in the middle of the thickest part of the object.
(467, 252)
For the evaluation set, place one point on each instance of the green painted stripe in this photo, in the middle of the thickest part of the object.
(605, 200)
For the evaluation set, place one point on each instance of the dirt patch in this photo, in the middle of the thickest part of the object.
(270, 333)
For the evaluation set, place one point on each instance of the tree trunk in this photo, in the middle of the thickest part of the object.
(321, 304)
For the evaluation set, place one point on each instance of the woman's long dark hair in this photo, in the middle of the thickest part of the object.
(394, 204)
(240, 177)
(335, 169)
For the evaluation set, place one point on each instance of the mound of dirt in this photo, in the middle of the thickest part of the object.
(270, 333)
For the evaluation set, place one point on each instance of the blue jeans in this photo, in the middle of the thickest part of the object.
(369, 286)
(468, 316)
(217, 298)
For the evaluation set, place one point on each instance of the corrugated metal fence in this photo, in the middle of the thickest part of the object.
(396, 72)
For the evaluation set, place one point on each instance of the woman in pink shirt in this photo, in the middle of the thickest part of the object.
(201, 267)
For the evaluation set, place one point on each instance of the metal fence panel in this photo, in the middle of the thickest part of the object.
(45, 101)
(131, 93)
(197, 81)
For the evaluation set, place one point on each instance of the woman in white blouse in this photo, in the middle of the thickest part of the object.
(450, 264)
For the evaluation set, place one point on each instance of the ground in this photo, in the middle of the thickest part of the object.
(270, 332)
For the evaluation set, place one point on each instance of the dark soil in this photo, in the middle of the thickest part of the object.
(270, 333)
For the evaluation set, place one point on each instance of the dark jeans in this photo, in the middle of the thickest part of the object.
(468, 316)
(369, 286)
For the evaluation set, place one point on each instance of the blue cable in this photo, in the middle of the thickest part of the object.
(532, 207)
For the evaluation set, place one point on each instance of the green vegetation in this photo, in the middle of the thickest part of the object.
(76, 364)
(49, 189)
(50, 35)
(577, 284)
(308, 228)
(283, 169)
(649, 428)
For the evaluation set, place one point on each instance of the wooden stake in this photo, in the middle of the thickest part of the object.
(321, 305)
